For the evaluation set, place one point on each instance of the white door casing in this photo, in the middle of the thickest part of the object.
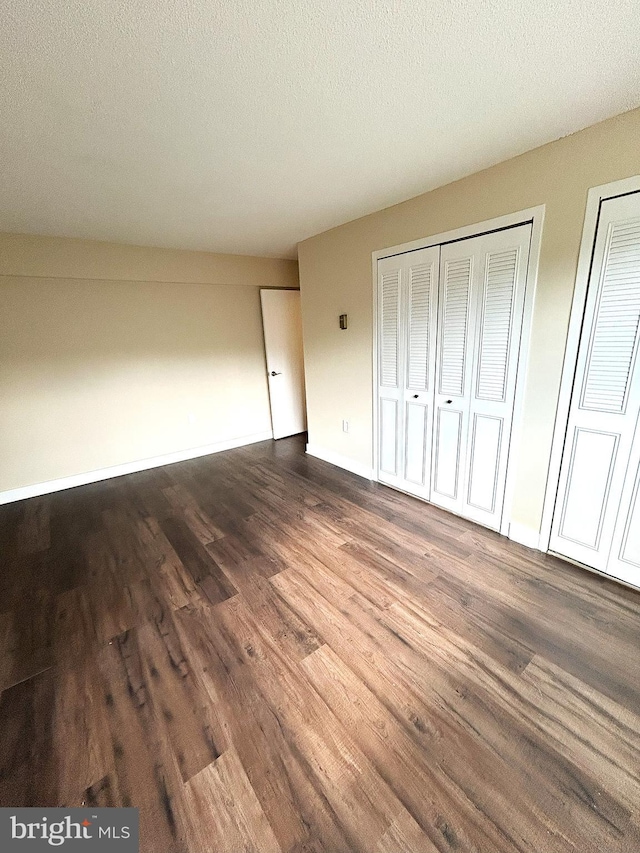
(597, 510)
(481, 304)
(407, 299)
(282, 324)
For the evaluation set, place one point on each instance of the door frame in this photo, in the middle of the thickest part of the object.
(264, 351)
(595, 197)
(531, 215)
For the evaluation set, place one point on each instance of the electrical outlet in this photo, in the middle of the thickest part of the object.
(345, 426)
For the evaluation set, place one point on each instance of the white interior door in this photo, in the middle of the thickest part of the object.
(407, 318)
(481, 305)
(597, 513)
(282, 323)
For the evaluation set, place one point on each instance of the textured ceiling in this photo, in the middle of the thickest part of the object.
(247, 125)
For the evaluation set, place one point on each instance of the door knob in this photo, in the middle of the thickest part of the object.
(279, 373)
(415, 396)
(448, 401)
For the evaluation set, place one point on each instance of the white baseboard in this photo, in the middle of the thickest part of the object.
(525, 535)
(341, 461)
(128, 468)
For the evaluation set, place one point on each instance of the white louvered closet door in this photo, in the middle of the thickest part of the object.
(407, 298)
(482, 289)
(597, 512)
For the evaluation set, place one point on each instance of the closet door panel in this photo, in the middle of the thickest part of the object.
(597, 492)
(591, 464)
(624, 559)
(421, 302)
(501, 261)
(415, 456)
(407, 300)
(389, 444)
(449, 331)
(390, 369)
(486, 446)
(447, 454)
(630, 550)
(454, 365)
(482, 288)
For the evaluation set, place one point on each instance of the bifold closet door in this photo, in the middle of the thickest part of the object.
(407, 316)
(481, 304)
(597, 513)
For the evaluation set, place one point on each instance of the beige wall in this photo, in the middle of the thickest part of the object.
(335, 277)
(112, 354)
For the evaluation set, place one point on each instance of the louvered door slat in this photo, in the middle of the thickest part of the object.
(389, 330)
(614, 339)
(454, 326)
(419, 321)
(495, 335)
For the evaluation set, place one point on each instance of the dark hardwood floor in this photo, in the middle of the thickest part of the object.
(265, 653)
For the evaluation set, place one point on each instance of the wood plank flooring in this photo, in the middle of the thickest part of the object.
(265, 653)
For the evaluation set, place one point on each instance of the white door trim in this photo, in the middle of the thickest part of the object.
(595, 197)
(535, 215)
